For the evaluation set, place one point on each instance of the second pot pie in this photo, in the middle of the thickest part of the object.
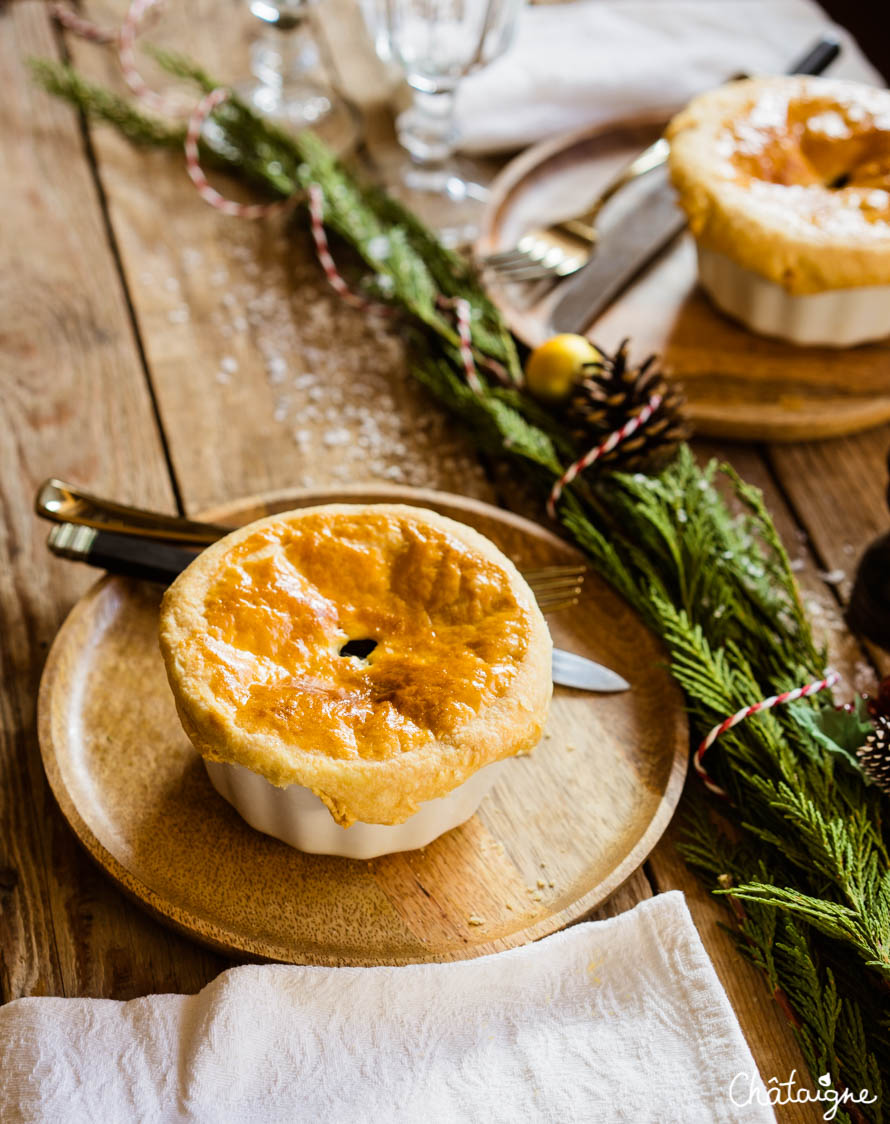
(789, 177)
(786, 183)
(459, 675)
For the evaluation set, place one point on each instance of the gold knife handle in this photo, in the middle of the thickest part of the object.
(64, 503)
(584, 226)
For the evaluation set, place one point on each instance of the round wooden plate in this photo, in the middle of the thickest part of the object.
(557, 835)
(738, 384)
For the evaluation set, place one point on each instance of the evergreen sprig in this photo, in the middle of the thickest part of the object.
(800, 853)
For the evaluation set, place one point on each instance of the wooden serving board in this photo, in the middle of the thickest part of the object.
(561, 831)
(738, 384)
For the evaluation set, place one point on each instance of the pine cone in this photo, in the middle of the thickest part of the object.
(874, 756)
(613, 392)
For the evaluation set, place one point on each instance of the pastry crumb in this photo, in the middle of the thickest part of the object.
(570, 748)
(508, 905)
(541, 883)
(474, 920)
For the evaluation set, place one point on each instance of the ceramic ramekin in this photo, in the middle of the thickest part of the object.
(295, 815)
(835, 318)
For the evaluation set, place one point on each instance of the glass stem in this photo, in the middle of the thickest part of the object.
(427, 130)
(286, 56)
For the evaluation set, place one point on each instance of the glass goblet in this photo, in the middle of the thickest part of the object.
(289, 86)
(436, 43)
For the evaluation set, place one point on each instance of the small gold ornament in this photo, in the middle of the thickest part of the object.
(556, 366)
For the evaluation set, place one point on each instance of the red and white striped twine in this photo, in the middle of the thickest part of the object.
(170, 104)
(461, 308)
(619, 435)
(83, 28)
(831, 677)
(209, 194)
(335, 279)
(125, 38)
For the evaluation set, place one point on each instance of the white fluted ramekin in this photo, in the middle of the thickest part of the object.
(296, 816)
(835, 318)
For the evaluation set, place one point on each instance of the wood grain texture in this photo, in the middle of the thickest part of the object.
(738, 385)
(559, 833)
(206, 290)
(840, 489)
(239, 322)
(73, 401)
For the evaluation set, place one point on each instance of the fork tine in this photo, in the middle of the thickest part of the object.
(552, 592)
(556, 604)
(545, 581)
(535, 572)
(505, 257)
(556, 587)
(526, 273)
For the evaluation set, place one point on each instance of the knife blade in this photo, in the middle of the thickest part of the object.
(620, 255)
(571, 670)
(643, 231)
(149, 560)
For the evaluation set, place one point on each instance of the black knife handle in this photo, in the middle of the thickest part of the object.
(130, 557)
(818, 58)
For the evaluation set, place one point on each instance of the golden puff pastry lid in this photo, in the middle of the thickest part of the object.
(789, 177)
(252, 631)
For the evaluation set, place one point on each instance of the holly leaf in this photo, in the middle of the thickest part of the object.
(838, 731)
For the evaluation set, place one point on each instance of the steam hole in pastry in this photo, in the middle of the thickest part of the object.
(360, 648)
(840, 181)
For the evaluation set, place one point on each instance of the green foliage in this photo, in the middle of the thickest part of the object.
(803, 860)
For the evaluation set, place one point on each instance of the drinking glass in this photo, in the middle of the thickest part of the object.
(435, 43)
(289, 85)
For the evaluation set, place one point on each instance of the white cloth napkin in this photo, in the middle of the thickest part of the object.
(618, 1020)
(597, 61)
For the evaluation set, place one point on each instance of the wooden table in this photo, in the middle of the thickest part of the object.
(156, 351)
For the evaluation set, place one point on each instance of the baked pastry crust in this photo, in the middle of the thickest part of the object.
(251, 635)
(789, 177)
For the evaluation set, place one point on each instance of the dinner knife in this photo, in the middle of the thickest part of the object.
(153, 561)
(643, 232)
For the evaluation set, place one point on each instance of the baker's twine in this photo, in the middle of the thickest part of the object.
(589, 458)
(83, 28)
(210, 195)
(125, 39)
(831, 677)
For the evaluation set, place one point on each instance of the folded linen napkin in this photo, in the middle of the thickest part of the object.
(617, 1020)
(597, 61)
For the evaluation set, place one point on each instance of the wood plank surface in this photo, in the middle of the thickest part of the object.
(262, 379)
(238, 322)
(74, 401)
(840, 489)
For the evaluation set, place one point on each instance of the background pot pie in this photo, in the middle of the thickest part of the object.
(254, 636)
(786, 184)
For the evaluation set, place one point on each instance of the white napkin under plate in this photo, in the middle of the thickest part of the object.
(599, 61)
(613, 1021)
